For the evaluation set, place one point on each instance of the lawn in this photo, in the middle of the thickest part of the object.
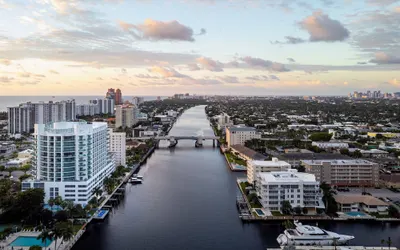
(234, 159)
(243, 186)
(276, 213)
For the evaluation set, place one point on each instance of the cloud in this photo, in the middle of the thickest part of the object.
(24, 74)
(257, 78)
(322, 28)
(202, 32)
(383, 58)
(265, 64)
(210, 64)
(291, 59)
(291, 40)
(274, 77)
(5, 79)
(345, 83)
(228, 79)
(54, 72)
(115, 79)
(166, 72)
(123, 71)
(201, 81)
(381, 2)
(394, 82)
(146, 76)
(193, 67)
(99, 78)
(158, 30)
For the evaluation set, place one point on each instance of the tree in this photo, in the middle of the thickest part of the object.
(392, 211)
(25, 168)
(58, 201)
(286, 207)
(57, 232)
(24, 177)
(2, 168)
(67, 232)
(288, 224)
(328, 198)
(46, 217)
(320, 136)
(301, 169)
(61, 215)
(344, 151)
(379, 136)
(297, 210)
(44, 236)
(357, 154)
(35, 247)
(97, 191)
(305, 211)
(29, 203)
(51, 203)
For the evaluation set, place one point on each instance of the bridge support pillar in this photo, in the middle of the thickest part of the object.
(172, 142)
(213, 143)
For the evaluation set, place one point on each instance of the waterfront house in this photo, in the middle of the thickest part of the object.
(365, 203)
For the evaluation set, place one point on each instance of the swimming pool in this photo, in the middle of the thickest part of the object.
(26, 241)
(259, 212)
(355, 214)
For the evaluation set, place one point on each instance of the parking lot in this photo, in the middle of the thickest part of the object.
(382, 192)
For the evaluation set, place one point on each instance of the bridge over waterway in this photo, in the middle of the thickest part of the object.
(173, 140)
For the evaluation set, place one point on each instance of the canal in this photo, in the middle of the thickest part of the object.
(187, 201)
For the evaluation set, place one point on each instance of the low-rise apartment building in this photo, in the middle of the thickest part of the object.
(247, 153)
(300, 189)
(330, 145)
(255, 167)
(366, 203)
(355, 172)
(240, 134)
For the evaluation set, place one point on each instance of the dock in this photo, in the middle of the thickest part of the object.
(333, 248)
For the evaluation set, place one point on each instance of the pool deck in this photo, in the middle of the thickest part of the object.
(5, 243)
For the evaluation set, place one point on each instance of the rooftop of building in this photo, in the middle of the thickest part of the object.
(241, 128)
(274, 163)
(314, 156)
(365, 199)
(68, 125)
(248, 152)
(18, 160)
(286, 176)
(338, 162)
(26, 151)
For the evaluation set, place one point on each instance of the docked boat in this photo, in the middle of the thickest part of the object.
(138, 177)
(135, 180)
(305, 235)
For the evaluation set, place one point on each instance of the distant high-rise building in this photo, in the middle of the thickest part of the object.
(136, 100)
(103, 106)
(110, 94)
(22, 118)
(125, 116)
(118, 97)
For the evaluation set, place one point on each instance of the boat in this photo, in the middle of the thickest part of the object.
(135, 180)
(305, 235)
(138, 177)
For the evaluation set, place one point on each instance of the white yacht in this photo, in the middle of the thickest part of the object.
(135, 180)
(304, 235)
(138, 176)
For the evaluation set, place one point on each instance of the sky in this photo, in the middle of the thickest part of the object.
(222, 47)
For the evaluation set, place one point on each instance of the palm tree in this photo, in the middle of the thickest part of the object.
(328, 194)
(44, 236)
(97, 191)
(51, 203)
(57, 232)
(67, 232)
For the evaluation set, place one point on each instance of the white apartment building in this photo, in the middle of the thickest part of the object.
(240, 134)
(355, 172)
(71, 160)
(255, 167)
(125, 116)
(117, 146)
(86, 110)
(103, 106)
(330, 145)
(223, 120)
(21, 119)
(300, 189)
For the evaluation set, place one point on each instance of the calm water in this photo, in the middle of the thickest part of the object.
(9, 101)
(187, 201)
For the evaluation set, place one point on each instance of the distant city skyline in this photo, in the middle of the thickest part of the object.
(242, 47)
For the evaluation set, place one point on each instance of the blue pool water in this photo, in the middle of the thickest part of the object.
(259, 212)
(25, 241)
(355, 214)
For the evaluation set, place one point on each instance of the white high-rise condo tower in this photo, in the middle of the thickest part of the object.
(71, 160)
